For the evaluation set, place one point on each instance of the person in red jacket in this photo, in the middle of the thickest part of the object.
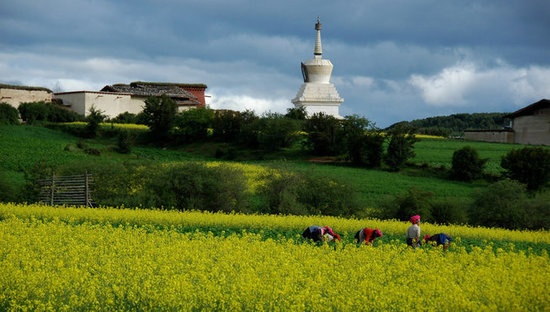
(320, 234)
(367, 235)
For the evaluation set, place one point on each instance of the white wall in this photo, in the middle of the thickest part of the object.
(110, 104)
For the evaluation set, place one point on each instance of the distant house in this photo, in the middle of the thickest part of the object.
(116, 99)
(15, 95)
(529, 125)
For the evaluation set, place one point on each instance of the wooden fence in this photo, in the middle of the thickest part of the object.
(73, 190)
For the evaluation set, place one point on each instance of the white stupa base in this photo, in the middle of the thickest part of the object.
(319, 98)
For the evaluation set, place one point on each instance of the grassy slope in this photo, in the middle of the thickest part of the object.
(25, 146)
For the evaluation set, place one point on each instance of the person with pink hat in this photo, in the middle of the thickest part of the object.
(367, 235)
(413, 232)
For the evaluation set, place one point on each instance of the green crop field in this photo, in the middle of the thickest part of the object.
(24, 147)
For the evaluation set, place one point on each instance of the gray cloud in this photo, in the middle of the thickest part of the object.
(394, 61)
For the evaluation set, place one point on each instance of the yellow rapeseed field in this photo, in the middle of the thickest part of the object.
(82, 259)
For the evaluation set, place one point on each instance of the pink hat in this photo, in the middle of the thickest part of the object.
(415, 219)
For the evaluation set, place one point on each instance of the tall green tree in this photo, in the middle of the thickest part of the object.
(160, 113)
(364, 142)
(193, 124)
(94, 118)
(529, 165)
(466, 164)
(400, 147)
(323, 133)
(8, 114)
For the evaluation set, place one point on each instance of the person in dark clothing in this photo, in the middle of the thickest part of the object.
(439, 239)
(320, 234)
(367, 235)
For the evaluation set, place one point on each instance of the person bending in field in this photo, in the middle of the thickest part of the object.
(413, 232)
(367, 235)
(320, 234)
(439, 239)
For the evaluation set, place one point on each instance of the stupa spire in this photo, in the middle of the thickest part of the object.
(318, 51)
(317, 94)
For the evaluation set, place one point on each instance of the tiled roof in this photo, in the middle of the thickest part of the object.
(149, 90)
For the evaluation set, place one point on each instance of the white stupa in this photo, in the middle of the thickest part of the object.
(317, 94)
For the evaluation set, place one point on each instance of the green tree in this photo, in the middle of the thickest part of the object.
(529, 165)
(403, 206)
(499, 205)
(160, 113)
(33, 112)
(193, 124)
(277, 131)
(364, 142)
(95, 117)
(226, 125)
(298, 113)
(400, 147)
(466, 164)
(8, 114)
(323, 133)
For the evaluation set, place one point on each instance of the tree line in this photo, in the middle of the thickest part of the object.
(454, 125)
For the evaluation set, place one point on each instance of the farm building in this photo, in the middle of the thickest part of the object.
(15, 95)
(529, 125)
(116, 99)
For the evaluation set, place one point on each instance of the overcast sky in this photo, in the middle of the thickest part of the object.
(393, 60)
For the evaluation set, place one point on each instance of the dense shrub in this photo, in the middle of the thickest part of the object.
(412, 202)
(277, 131)
(323, 135)
(500, 205)
(95, 117)
(248, 135)
(466, 164)
(226, 125)
(125, 118)
(449, 212)
(298, 113)
(529, 165)
(8, 114)
(400, 147)
(159, 114)
(33, 112)
(196, 186)
(536, 211)
(363, 141)
(7, 189)
(306, 193)
(124, 142)
(193, 124)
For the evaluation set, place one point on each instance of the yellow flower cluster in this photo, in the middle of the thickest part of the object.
(69, 259)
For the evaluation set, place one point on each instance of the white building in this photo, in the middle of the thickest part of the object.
(116, 99)
(317, 94)
(15, 95)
